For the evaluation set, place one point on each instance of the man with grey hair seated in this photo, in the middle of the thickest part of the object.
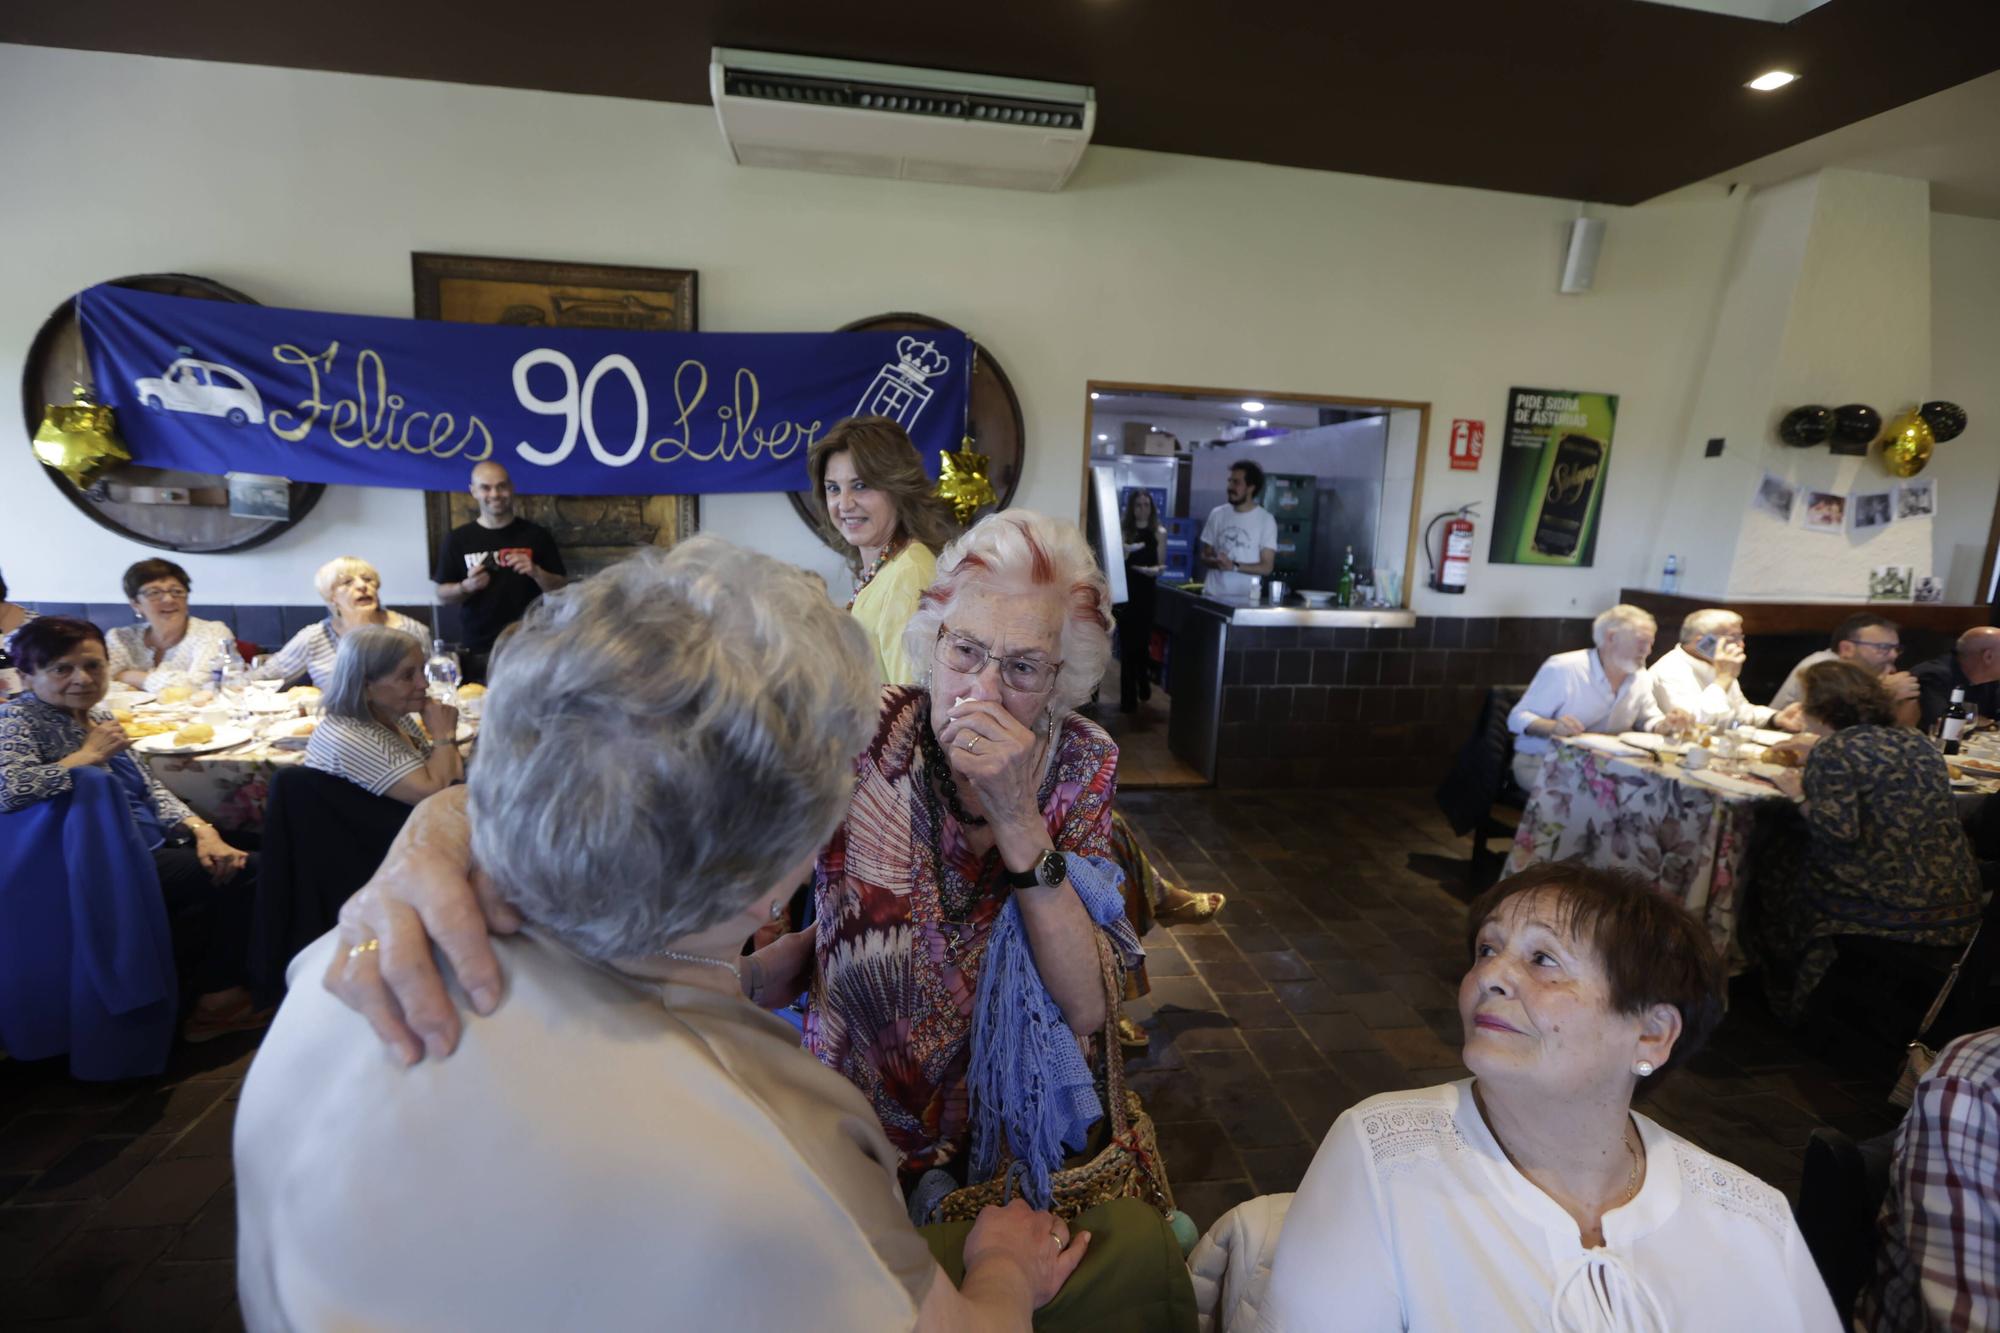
(1700, 677)
(1602, 689)
(627, 1142)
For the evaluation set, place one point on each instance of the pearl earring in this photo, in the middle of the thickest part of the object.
(1644, 1069)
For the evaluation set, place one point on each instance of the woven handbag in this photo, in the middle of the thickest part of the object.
(1918, 1057)
(1127, 1167)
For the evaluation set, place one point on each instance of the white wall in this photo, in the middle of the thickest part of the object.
(1965, 369)
(314, 188)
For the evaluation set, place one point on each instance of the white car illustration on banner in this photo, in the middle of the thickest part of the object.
(205, 387)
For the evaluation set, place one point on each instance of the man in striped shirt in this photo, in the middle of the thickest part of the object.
(1938, 1265)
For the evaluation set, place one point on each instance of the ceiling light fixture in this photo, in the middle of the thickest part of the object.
(1103, 439)
(1772, 81)
(1253, 406)
(1093, 395)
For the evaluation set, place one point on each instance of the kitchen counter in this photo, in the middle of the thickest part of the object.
(1202, 627)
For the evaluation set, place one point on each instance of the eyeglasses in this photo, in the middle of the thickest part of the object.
(1022, 675)
(1887, 649)
(162, 594)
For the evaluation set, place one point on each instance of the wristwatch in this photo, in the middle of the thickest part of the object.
(1049, 870)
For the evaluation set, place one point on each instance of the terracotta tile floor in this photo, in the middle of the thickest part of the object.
(1330, 976)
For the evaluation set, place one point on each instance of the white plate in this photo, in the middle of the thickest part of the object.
(164, 742)
(259, 701)
(1313, 597)
(126, 697)
(1763, 735)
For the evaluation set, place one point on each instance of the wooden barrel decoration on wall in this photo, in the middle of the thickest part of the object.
(997, 426)
(204, 525)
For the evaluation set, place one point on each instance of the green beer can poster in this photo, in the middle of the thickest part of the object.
(1553, 460)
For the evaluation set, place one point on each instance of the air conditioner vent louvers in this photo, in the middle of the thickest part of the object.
(904, 101)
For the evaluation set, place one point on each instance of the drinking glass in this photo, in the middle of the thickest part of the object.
(441, 670)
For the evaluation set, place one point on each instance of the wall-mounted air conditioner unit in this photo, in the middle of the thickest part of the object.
(860, 119)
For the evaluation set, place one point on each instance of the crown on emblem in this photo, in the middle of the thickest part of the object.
(921, 359)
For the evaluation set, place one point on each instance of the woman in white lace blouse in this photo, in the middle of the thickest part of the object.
(1532, 1195)
(167, 645)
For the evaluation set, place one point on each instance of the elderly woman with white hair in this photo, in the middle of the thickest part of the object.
(1700, 676)
(352, 591)
(1602, 689)
(626, 1142)
(368, 729)
(965, 907)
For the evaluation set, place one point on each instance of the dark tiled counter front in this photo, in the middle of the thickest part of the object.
(1340, 706)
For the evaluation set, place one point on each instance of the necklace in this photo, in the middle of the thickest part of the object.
(889, 552)
(936, 767)
(729, 963)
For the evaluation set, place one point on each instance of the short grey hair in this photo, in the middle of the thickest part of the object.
(1020, 549)
(1708, 620)
(663, 740)
(342, 569)
(1622, 616)
(367, 653)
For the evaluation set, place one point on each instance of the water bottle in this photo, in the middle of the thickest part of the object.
(1670, 579)
(441, 670)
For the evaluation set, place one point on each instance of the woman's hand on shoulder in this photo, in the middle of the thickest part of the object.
(426, 892)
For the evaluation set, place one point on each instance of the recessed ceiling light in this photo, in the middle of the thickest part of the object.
(1776, 79)
(1102, 439)
(1093, 395)
(1253, 406)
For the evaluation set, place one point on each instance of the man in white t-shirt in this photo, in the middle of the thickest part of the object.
(1239, 542)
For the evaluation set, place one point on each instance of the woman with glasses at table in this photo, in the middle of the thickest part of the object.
(168, 645)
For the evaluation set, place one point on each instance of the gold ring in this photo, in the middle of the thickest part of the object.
(1056, 1236)
(368, 947)
(972, 744)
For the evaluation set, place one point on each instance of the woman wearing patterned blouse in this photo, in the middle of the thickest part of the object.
(1532, 1195)
(209, 886)
(1883, 853)
(168, 646)
(368, 731)
(351, 589)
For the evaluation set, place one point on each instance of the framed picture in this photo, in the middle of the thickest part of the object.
(1825, 512)
(592, 530)
(1870, 510)
(1891, 583)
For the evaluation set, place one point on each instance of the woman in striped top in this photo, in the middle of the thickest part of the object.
(368, 732)
(351, 589)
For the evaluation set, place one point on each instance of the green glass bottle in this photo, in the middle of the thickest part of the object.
(1346, 597)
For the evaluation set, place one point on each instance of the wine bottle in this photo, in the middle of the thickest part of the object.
(1568, 496)
(1951, 725)
(1346, 596)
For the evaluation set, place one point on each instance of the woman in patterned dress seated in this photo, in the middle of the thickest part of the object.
(352, 591)
(368, 729)
(981, 813)
(1882, 853)
(1531, 1195)
(168, 646)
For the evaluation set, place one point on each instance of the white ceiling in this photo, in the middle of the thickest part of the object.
(1220, 411)
(1951, 139)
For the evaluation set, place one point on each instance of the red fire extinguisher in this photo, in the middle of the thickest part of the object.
(1449, 571)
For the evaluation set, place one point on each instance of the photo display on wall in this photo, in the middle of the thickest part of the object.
(1554, 457)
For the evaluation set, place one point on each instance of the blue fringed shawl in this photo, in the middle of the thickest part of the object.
(1031, 1089)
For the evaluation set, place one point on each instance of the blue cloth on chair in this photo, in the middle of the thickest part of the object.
(86, 957)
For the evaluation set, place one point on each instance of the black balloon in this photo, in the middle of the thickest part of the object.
(1856, 423)
(1806, 426)
(1946, 420)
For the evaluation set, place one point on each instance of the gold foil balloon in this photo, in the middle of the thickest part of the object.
(962, 483)
(1906, 449)
(78, 440)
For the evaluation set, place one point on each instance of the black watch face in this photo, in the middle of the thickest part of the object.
(1050, 868)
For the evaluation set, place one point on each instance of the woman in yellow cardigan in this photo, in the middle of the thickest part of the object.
(883, 507)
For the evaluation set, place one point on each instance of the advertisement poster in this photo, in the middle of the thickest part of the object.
(1555, 452)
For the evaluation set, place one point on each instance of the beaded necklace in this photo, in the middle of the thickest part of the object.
(889, 552)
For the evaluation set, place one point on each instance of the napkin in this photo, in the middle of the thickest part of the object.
(1611, 745)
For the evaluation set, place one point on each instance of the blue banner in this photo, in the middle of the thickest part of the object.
(217, 386)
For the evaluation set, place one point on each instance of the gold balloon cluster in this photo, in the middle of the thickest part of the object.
(78, 439)
(962, 482)
(1907, 444)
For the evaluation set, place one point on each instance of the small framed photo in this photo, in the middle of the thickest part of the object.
(1775, 496)
(1916, 499)
(1891, 583)
(1930, 588)
(1825, 512)
(1870, 510)
(252, 495)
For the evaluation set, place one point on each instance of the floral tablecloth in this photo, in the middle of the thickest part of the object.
(1644, 816)
(228, 788)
